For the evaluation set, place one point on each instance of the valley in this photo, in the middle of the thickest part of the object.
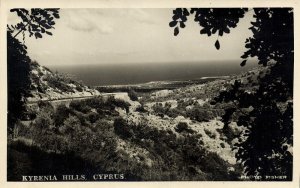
(164, 132)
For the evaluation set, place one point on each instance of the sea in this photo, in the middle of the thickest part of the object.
(137, 73)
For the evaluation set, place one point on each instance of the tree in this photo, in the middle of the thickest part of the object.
(268, 119)
(18, 68)
(36, 22)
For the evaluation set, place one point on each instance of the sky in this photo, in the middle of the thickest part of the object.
(107, 36)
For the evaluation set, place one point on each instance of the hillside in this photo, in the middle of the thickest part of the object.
(170, 134)
(46, 85)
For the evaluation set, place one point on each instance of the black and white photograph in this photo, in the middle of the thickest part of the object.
(150, 94)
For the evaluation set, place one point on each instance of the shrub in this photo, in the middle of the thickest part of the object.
(132, 95)
(222, 145)
(159, 109)
(44, 120)
(80, 106)
(93, 117)
(141, 109)
(83, 118)
(79, 88)
(230, 134)
(183, 127)
(122, 129)
(199, 114)
(47, 106)
(210, 134)
(95, 102)
(61, 113)
(111, 101)
(174, 112)
(216, 167)
(71, 125)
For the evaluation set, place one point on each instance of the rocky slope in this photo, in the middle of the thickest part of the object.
(47, 85)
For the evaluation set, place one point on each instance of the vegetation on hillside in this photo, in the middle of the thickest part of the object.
(44, 82)
(92, 130)
(269, 115)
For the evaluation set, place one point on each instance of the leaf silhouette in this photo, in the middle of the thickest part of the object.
(49, 33)
(217, 44)
(203, 31)
(221, 32)
(244, 56)
(176, 31)
(37, 35)
(173, 23)
(56, 15)
(226, 30)
(182, 25)
(243, 63)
